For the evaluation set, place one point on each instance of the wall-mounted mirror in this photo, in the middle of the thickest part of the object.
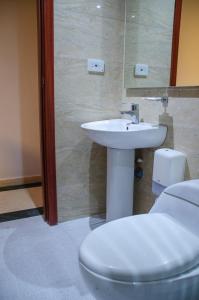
(161, 43)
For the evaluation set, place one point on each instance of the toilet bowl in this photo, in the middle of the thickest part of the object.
(147, 257)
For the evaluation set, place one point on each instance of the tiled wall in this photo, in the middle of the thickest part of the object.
(84, 31)
(182, 120)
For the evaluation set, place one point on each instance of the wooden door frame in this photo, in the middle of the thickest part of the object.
(45, 14)
(175, 41)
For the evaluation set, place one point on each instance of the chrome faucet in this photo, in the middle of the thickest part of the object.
(132, 114)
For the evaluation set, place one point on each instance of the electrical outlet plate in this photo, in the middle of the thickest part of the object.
(96, 66)
(141, 70)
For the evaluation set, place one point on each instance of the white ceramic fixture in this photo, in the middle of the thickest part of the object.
(152, 256)
(122, 138)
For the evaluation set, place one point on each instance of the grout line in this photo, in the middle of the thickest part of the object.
(21, 214)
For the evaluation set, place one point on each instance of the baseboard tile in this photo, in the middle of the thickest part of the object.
(19, 181)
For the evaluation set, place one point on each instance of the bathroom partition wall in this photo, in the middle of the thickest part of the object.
(85, 29)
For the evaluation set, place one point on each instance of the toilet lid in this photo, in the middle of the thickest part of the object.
(140, 249)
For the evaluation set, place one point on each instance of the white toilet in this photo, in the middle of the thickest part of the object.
(147, 257)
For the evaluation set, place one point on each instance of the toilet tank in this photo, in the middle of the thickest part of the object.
(181, 201)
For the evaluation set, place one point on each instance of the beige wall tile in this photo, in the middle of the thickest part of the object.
(111, 9)
(78, 90)
(81, 180)
(85, 36)
(182, 120)
(82, 31)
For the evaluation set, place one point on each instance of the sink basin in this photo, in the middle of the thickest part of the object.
(117, 134)
(121, 139)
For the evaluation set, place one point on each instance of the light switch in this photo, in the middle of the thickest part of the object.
(96, 65)
(141, 70)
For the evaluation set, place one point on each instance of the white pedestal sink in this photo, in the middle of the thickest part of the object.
(122, 140)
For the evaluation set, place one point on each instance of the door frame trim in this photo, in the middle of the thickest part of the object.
(45, 11)
(175, 41)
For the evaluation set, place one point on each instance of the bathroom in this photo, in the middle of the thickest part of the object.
(118, 33)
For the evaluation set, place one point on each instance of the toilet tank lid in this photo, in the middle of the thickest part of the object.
(186, 190)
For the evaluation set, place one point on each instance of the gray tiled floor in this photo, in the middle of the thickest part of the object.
(41, 262)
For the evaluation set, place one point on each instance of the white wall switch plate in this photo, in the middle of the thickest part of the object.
(96, 65)
(141, 70)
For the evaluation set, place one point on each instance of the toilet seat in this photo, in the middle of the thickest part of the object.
(141, 248)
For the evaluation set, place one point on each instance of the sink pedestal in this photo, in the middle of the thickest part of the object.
(120, 182)
(117, 135)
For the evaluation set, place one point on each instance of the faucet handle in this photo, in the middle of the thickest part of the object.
(134, 107)
(126, 112)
